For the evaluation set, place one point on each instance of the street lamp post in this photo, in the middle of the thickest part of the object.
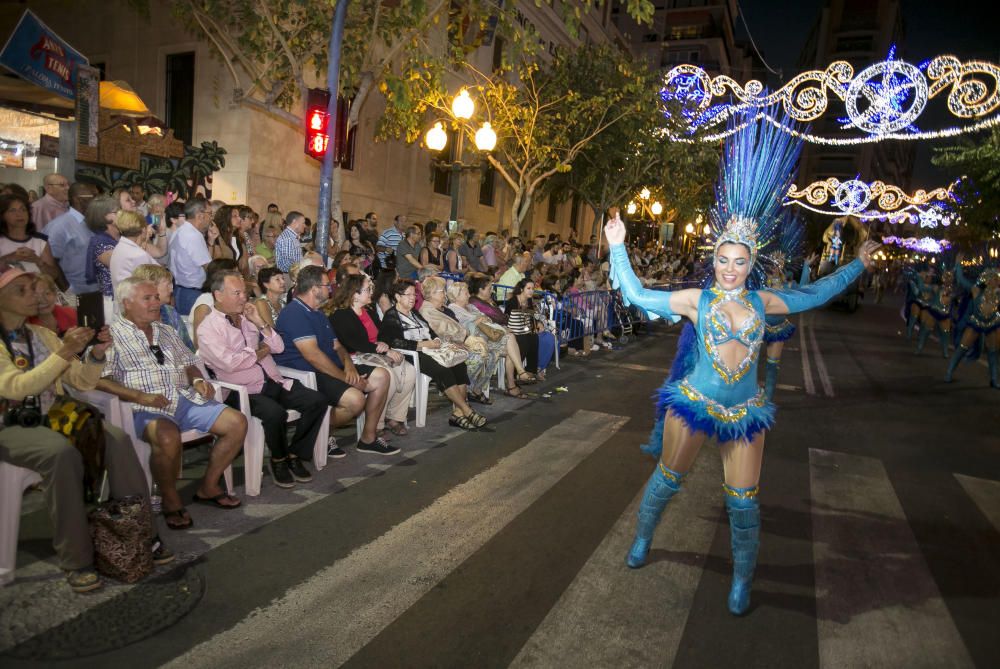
(436, 139)
(653, 210)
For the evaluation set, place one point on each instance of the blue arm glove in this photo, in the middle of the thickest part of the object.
(804, 279)
(819, 293)
(960, 277)
(624, 279)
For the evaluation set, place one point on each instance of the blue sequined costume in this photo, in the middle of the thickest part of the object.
(724, 403)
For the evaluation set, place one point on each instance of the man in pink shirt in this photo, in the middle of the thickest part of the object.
(236, 342)
(54, 203)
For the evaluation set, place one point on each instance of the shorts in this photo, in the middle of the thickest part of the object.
(334, 388)
(189, 416)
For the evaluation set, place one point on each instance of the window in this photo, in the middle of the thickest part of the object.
(487, 185)
(553, 209)
(102, 68)
(685, 32)
(574, 212)
(180, 95)
(497, 54)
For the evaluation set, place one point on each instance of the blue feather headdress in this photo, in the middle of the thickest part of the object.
(758, 165)
(785, 253)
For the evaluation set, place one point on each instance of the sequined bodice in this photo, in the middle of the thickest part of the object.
(987, 303)
(717, 331)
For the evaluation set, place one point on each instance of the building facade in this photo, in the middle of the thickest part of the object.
(183, 83)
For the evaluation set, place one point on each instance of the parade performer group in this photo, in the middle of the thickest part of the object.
(715, 392)
(980, 324)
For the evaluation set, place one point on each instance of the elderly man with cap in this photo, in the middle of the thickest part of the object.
(35, 367)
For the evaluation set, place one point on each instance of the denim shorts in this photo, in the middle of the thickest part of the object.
(189, 416)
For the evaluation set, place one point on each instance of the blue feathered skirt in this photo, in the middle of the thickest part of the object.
(700, 413)
(782, 331)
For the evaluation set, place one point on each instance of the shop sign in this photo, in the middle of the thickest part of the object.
(38, 55)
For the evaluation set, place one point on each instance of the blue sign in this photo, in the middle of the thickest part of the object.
(36, 54)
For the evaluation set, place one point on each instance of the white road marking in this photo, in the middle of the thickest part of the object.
(824, 377)
(328, 618)
(986, 494)
(877, 603)
(806, 369)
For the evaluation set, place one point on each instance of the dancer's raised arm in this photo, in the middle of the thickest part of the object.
(804, 298)
(668, 304)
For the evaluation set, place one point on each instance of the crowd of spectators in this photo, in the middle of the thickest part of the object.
(205, 290)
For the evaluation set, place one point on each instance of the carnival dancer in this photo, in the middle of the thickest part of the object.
(981, 323)
(719, 398)
(918, 299)
(778, 328)
(938, 314)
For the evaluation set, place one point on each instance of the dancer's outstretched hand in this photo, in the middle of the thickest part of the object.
(866, 250)
(614, 229)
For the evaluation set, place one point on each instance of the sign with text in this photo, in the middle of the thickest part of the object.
(36, 54)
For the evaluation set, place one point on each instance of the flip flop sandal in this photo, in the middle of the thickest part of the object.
(398, 429)
(181, 514)
(216, 501)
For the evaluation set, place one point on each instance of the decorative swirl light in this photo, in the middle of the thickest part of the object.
(882, 101)
(919, 244)
(836, 198)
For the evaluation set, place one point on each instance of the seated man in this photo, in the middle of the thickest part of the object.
(151, 367)
(34, 366)
(236, 342)
(310, 345)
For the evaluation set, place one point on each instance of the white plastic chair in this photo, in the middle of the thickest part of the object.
(422, 389)
(13, 482)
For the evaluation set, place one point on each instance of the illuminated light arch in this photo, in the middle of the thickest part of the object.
(883, 101)
(869, 200)
(919, 244)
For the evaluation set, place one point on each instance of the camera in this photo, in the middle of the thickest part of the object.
(28, 414)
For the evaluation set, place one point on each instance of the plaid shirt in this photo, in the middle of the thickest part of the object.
(132, 363)
(287, 250)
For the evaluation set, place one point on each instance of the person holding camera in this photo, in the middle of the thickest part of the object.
(34, 367)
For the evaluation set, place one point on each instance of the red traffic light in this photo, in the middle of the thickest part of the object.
(317, 123)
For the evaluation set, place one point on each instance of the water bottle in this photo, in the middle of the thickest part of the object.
(155, 500)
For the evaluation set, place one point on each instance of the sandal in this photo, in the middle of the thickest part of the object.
(527, 377)
(396, 428)
(184, 520)
(520, 394)
(216, 501)
(477, 419)
(462, 422)
(480, 398)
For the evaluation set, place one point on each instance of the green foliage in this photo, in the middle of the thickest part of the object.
(979, 190)
(161, 175)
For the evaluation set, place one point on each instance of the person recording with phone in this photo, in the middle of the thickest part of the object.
(35, 367)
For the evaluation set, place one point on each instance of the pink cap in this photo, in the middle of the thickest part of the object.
(8, 273)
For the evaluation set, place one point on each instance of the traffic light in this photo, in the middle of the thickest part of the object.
(317, 123)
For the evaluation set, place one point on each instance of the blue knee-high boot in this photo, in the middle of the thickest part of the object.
(911, 320)
(744, 532)
(956, 358)
(925, 332)
(945, 336)
(771, 377)
(663, 484)
(991, 357)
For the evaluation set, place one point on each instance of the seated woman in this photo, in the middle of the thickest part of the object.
(21, 245)
(403, 327)
(273, 285)
(498, 340)
(481, 299)
(525, 323)
(51, 314)
(355, 324)
(164, 280)
(482, 362)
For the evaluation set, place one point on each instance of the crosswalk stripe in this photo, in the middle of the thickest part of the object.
(877, 603)
(986, 494)
(612, 616)
(327, 619)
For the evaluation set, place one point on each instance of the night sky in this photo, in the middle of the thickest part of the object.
(966, 29)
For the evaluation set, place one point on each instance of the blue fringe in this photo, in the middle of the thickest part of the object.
(694, 414)
(783, 332)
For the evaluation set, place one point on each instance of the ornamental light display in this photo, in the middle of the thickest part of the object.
(877, 199)
(919, 244)
(882, 101)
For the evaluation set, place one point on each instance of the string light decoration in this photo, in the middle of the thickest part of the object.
(919, 244)
(867, 200)
(883, 101)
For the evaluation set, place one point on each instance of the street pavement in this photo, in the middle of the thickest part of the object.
(880, 535)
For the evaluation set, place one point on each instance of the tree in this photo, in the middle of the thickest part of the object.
(978, 191)
(274, 49)
(550, 115)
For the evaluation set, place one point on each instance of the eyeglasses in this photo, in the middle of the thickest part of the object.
(161, 359)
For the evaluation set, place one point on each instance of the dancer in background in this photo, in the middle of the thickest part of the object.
(980, 326)
(938, 314)
(719, 397)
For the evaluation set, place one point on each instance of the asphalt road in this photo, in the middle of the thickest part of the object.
(880, 544)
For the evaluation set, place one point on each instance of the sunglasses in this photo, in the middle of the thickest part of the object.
(157, 352)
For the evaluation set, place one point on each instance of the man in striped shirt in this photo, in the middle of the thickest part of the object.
(390, 239)
(287, 248)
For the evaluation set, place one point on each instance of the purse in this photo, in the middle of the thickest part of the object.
(80, 423)
(490, 331)
(122, 532)
(373, 360)
(449, 355)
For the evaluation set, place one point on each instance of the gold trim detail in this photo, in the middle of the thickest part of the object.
(745, 494)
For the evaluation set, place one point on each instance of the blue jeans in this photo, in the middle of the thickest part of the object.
(184, 298)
